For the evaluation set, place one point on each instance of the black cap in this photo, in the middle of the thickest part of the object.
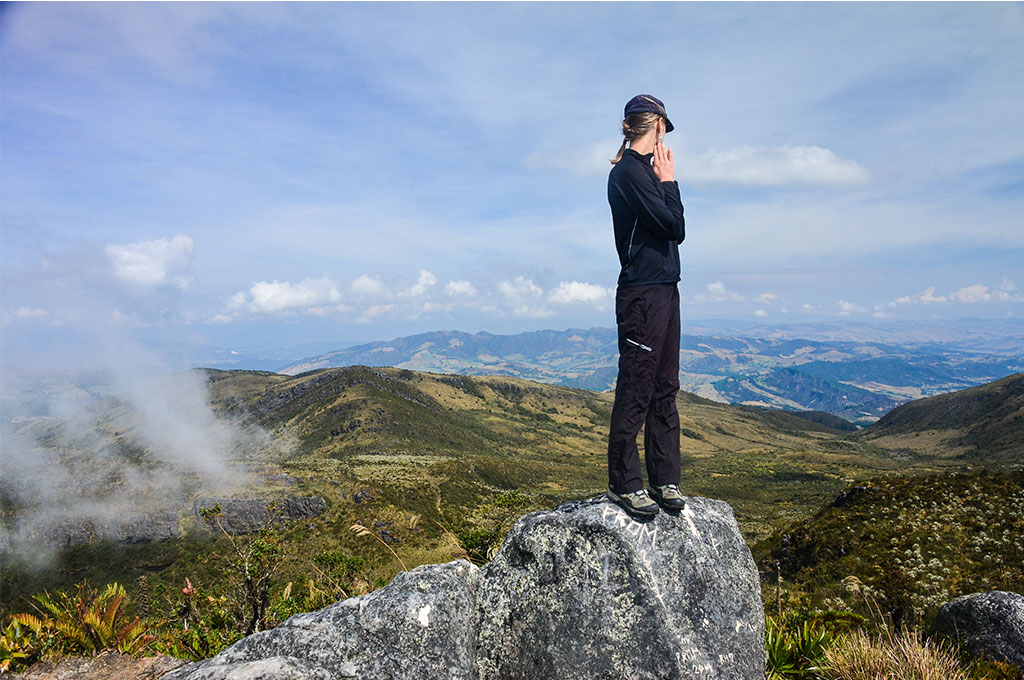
(645, 103)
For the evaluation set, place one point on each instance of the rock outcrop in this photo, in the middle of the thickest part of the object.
(246, 515)
(127, 528)
(583, 591)
(989, 624)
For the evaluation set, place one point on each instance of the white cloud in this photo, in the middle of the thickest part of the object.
(975, 293)
(366, 285)
(460, 288)
(272, 297)
(981, 293)
(30, 313)
(153, 263)
(425, 282)
(525, 297)
(848, 308)
(763, 166)
(760, 312)
(520, 289)
(765, 298)
(374, 311)
(716, 292)
(324, 311)
(968, 295)
(926, 297)
(571, 292)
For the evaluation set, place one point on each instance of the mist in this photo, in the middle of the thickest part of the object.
(109, 438)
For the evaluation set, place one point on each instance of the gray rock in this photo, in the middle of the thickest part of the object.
(583, 591)
(129, 528)
(989, 623)
(246, 515)
(587, 592)
(421, 625)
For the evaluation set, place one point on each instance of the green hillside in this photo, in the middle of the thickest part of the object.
(986, 421)
(914, 542)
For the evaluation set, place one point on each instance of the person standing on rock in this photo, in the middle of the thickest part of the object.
(647, 214)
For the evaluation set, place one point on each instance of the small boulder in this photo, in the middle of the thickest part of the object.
(989, 624)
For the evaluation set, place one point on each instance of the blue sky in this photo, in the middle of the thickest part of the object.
(250, 175)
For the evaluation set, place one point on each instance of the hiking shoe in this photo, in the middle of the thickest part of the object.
(636, 503)
(668, 497)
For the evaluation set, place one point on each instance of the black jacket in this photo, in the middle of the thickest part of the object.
(648, 219)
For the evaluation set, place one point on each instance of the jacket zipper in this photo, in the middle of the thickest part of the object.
(629, 248)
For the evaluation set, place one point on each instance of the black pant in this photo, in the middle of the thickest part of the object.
(645, 393)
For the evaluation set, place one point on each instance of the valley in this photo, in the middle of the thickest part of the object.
(436, 465)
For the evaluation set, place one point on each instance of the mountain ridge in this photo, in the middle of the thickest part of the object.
(987, 418)
(856, 380)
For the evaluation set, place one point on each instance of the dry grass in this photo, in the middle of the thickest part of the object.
(905, 656)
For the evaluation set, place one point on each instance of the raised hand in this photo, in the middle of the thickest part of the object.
(664, 169)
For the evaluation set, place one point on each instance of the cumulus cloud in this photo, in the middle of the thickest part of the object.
(425, 282)
(972, 294)
(925, 297)
(716, 292)
(765, 298)
(374, 311)
(366, 285)
(572, 292)
(764, 166)
(525, 297)
(272, 297)
(848, 308)
(520, 289)
(760, 312)
(153, 263)
(460, 289)
(980, 293)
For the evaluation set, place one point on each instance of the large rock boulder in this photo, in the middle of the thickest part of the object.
(989, 624)
(583, 591)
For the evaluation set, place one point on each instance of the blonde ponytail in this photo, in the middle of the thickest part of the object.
(618, 156)
(635, 125)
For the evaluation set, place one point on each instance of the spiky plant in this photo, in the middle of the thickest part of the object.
(796, 651)
(87, 621)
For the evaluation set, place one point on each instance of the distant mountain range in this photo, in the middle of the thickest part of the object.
(858, 380)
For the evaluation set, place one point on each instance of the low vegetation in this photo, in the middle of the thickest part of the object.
(420, 468)
(912, 542)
